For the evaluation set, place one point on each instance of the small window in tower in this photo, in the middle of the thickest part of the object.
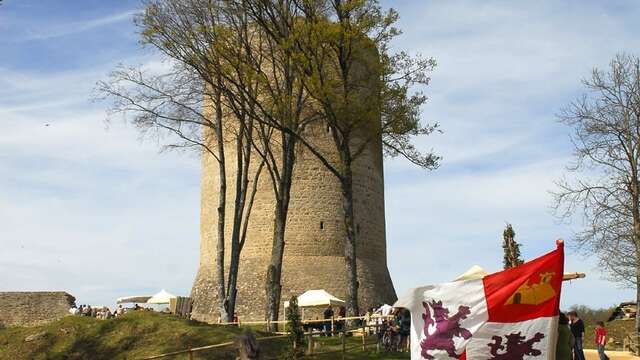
(358, 229)
(321, 225)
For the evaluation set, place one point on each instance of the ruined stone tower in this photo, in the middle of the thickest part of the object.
(313, 257)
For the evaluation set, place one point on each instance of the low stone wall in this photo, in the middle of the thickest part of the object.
(33, 308)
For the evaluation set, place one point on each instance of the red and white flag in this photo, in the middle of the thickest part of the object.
(508, 315)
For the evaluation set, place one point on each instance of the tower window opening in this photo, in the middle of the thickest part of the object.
(358, 229)
(321, 225)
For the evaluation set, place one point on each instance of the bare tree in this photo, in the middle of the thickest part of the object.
(282, 111)
(363, 93)
(193, 101)
(603, 184)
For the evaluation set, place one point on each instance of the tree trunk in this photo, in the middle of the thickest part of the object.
(635, 208)
(222, 203)
(350, 239)
(274, 272)
(243, 160)
(638, 307)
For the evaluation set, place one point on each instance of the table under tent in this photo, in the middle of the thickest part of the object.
(158, 302)
(313, 302)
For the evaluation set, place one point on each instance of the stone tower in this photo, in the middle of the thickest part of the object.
(313, 257)
(315, 234)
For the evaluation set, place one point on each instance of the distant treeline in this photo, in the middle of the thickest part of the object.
(591, 316)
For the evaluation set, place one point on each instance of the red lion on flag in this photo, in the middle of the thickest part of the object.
(446, 328)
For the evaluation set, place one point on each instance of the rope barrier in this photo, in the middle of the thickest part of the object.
(309, 333)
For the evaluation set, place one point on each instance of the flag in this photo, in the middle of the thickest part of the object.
(508, 315)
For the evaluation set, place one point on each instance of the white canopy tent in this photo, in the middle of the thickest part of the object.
(317, 298)
(474, 272)
(163, 297)
(136, 299)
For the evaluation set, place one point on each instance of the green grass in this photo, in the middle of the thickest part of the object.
(131, 336)
(330, 348)
(144, 333)
(617, 330)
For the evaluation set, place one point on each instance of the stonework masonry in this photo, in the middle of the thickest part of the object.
(33, 308)
(314, 235)
(315, 231)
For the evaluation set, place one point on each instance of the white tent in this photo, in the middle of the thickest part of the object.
(385, 310)
(317, 298)
(133, 299)
(474, 272)
(163, 297)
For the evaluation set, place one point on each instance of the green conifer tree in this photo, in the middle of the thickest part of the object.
(511, 248)
(295, 349)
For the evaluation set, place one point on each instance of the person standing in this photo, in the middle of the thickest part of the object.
(405, 330)
(577, 329)
(565, 339)
(601, 340)
(328, 317)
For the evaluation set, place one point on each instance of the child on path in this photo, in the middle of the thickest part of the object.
(601, 340)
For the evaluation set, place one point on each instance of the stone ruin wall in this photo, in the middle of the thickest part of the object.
(33, 308)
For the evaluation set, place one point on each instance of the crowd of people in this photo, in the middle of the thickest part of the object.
(393, 330)
(571, 337)
(101, 312)
(392, 326)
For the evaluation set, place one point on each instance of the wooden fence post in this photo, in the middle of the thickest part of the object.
(310, 343)
(377, 335)
(364, 339)
(190, 354)
(344, 345)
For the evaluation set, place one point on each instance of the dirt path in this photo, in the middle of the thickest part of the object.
(613, 355)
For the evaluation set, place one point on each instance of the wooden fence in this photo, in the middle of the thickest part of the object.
(361, 330)
(631, 344)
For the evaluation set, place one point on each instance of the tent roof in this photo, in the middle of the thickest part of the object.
(474, 272)
(316, 298)
(133, 299)
(163, 297)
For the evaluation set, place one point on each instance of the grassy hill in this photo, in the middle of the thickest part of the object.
(140, 334)
(617, 330)
(131, 336)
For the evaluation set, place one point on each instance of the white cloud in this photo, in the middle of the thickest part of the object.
(504, 70)
(100, 214)
(86, 207)
(69, 28)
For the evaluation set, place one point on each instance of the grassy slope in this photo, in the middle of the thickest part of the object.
(134, 335)
(617, 330)
(144, 334)
(147, 333)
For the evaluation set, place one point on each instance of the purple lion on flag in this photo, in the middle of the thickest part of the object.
(516, 347)
(440, 328)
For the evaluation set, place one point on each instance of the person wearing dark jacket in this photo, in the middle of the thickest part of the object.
(565, 339)
(577, 329)
(328, 317)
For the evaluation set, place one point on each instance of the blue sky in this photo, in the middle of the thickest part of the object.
(93, 209)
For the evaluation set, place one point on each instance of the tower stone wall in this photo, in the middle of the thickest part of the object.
(315, 232)
(314, 237)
